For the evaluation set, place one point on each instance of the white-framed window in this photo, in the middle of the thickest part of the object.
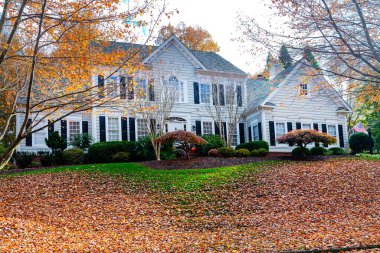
(178, 88)
(113, 131)
(304, 89)
(255, 133)
(112, 86)
(141, 88)
(205, 93)
(142, 129)
(230, 94)
(39, 137)
(74, 128)
(306, 126)
(280, 129)
(331, 130)
(207, 127)
(234, 135)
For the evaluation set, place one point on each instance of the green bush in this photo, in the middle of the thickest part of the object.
(144, 149)
(213, 153)
(226, 152)
(56, 142)
(359, 142)
(24, 159)
(254, 145)
(2, 150)
(300, 152)
(102, 152)
(336, 151)
(213, 142)
(369, 156)
(121, 157)
(317, 151)
(73, 156)
(81, 141)
(261, 152)
(179, 153)
(46, 158)
(243, 152)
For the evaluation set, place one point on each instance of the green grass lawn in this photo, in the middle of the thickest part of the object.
(139, 176)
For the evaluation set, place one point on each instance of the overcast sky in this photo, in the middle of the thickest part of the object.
(219, 18)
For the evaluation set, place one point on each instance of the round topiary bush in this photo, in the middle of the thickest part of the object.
(317, 151)
(213, 142)
(213, 153)
(73, 156)
(243, 152)
(261, 152)
(226, 152)
(337, 151)
(300, 152)
(121, 157)
(359, 142)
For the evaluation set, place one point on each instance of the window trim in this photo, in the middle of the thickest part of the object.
(210, 93)
(119, 122)
(68, 127)
(336, 144)
(34, 134)
(285, 129)
(212, 126)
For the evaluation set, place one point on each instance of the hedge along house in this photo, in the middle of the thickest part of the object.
(295, 98)
(194, 75)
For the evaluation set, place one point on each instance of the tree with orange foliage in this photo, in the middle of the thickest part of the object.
(302, 138)
(194, 38)
(49, 50)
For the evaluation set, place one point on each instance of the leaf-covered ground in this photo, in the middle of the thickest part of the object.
(128, 208)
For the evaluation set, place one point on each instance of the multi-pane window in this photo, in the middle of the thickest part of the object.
(255, 131)
(74, 128)
(230, 94)
(280, 129)
(39, 137)
(235, 137)
(207, 127)
(205, 93)
(178, 89)
(113, 129)
(141, 88)
(331, 130)
(142, 129)
(112, 86)
(306, 126)
(303, 89)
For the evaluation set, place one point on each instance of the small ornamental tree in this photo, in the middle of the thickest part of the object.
(186, 140)
(56, 142)
(303, 137)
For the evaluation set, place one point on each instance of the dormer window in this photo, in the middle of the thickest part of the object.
(304, 89)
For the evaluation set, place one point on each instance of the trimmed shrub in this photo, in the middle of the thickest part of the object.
(73, 156)
(337, 151)
(300, 152)
(24, 159)
(121, 157)
(302, 137)
(213, 142)
(254, 145)
(226, 152)
(317, 151)
(102, 152)
(179, 153)
(46, 158)
(213, 153)
(144, 150)
(81, 141)
(243, 152)
(56, 142)
(359, 142)
(261, 152)
(2, 149)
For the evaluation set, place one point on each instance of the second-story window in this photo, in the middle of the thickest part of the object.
(303, 89)
(205, 93)
(178, 89)
(141, 89)
(112, 86)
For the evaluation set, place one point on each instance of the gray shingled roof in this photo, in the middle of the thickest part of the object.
(212, 61)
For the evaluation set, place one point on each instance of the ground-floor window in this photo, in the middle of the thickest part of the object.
(74, 128)
(207, 127)
(306, 126)
(280, 129)
(39, 137)
(113, 129)
(331, 130)
(255, 131)
(142, 129)
(234, 136)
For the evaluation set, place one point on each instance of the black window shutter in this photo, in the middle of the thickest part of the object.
(315, 127)
(151, 90)
(64, 129)
(101, 86)
(221, 94)
(85, 127)
(214, 94)
(132, 129)
(324, 130)
(124, 128)
(153, 125)
(123, 88)
(28, 139)
(225, 130)
(217, 130)
(249, 134)
(290, 128)
(50, 127)
(131, 88)
(239, 96)
(272, 134)
(196, 93)
(260, 131)
(241, 132)
(298, 125)
(340, 132)
(198, 127)
(102, 127)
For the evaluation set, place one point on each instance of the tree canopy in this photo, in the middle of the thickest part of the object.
(303, 137)
(193, 37)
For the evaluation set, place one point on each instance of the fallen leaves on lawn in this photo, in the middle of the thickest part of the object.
(293, 205)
